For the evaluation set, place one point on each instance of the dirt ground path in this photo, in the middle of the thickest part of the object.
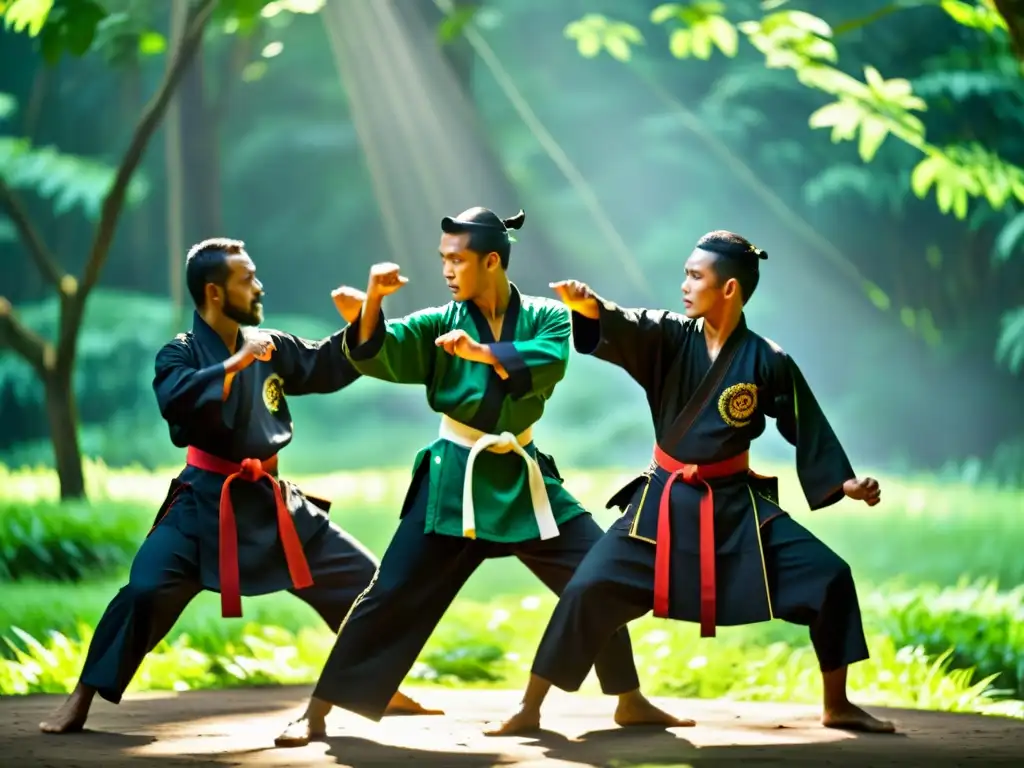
(221, 728)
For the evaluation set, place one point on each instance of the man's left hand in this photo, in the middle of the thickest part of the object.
(349, 302)
(864, 489)
(460, 344)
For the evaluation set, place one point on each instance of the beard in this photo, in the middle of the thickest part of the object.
(251, 315)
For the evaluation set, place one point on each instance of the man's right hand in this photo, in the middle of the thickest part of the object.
(385, 280)
(577, 297)
(257, 346)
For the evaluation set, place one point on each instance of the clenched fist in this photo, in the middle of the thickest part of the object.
(385, 279)
(349, 302)
(864, 489)
(577, 296)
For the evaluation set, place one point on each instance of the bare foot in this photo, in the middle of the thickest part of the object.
(637, 710)
(401, 704)
(523, 721)
(300, 732)
(72, 714)
(850, 717)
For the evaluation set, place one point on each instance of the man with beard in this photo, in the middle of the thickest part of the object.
(223, 393)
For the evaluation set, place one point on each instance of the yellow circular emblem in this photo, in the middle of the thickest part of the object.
(737, 404)
(273, 392)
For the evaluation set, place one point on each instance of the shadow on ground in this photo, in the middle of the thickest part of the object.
(221, 728)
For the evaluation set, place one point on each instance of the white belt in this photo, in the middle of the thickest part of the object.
(477, 441)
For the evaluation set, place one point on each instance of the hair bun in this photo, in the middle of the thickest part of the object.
(515, 222)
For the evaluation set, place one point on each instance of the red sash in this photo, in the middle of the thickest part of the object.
(250, 470)
(691, 474)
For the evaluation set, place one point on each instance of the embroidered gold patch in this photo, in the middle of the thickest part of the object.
(273, 392)
(737, 404)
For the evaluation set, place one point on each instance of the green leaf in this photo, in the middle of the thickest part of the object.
(8, 106)
(1010, 345)
(909, 318)
(455, 22)
(874, 79)
(700, 42)
(872, 133)
(152, 43)
(574, 29)
(800, 20)
(961, 201)
(617, 48)
(924, 175)
(843, 116)
(1009, 238)
(588, 45)
(679, 43)
(627, 32)
(724, 35)
(66, 180)
(877, 296)
(664, 12)
(944, 192)
(819, 49)
(27, 15)
(827, 79)
(51, 46)
(976, 16)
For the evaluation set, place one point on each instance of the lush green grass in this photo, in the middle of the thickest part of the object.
(492, 644)
(923, 532)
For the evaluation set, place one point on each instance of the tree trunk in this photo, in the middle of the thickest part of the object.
(62, 415)
(174, 162)
(200, 155)
(54, 363)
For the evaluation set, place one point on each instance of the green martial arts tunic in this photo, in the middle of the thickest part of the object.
(534, 350)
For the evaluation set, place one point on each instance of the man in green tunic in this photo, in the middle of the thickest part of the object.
(489, 360)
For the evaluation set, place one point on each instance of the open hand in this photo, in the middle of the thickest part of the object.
(864, 489)
(349, 302)
(385, 279)
(461, 344)
(258, 346)
(577, 296)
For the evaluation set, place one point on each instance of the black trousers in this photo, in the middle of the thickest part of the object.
(419, 577)
(808, 584)
(164, 578)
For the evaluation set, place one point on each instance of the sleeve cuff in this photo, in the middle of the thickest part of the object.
(520, 380)
(372, 347)
(588, 334)
(834, 489)
(210, 382)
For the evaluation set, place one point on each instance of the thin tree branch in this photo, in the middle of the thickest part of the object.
(40, 253)
(23, 340)
(144, 130)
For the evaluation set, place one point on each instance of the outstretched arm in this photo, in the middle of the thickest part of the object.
(312, 367)
(825, 473)
(633, 339)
